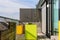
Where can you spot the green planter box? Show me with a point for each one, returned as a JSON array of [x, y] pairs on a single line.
[[31, 32]]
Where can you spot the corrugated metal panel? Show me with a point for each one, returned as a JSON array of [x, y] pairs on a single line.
[[9, 34]]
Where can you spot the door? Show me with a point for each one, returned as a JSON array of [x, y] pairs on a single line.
[[44, 18]]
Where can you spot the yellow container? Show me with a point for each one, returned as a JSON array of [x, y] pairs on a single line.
[[31, 32], [59, 30], [19, 29]]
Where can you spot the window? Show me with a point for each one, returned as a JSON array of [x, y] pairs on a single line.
[[55, 16]]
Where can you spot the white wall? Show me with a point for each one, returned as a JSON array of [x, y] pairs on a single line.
[[44, 18]]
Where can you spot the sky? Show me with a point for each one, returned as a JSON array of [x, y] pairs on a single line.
[[11, 8]]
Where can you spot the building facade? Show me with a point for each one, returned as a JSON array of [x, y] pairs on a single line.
[[50, 12], [29, 15]]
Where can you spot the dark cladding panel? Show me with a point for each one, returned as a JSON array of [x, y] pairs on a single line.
[[29, 15]]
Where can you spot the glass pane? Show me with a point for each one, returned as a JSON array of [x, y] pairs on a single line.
[[55, 16]]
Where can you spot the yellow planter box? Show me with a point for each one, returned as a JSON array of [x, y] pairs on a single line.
[[19, 29]]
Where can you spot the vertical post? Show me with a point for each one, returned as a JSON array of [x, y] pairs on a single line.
[[59, 21], [0, 35]]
